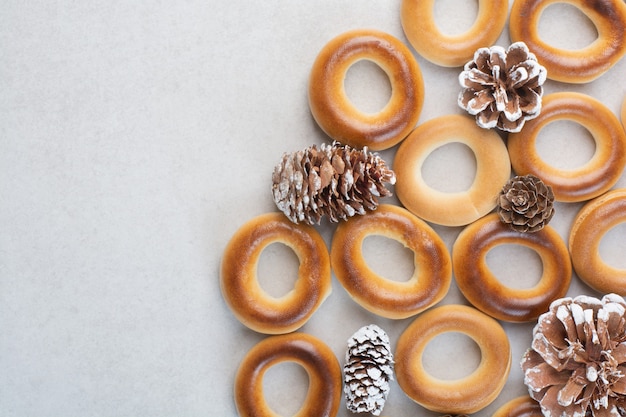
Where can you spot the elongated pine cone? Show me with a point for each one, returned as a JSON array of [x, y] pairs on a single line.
[[502, 88], [368, 370], [576, 366], [336, 181], [526, 203]]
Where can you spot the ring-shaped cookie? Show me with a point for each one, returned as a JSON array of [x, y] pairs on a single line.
[[523, 406], [325, 378], [593, 178], [483, 289], [240, 287], [333, 110], [387, 298], [592, 222], [420, 28], [580, 65], [493, 170], [460, 396]]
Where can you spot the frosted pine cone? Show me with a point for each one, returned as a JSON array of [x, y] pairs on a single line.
[[368, 370], [526, 203], [577, 364], [502, 88], [336, 181]]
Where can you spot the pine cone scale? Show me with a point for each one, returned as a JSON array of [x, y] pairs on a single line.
[[619, 352], [569, 393], [488, 118], [478, 102], [338, 164], [516, 55], [477, 78], [511, 108], [619, 387], [497, 59]]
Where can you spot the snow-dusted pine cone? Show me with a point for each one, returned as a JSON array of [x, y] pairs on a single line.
[[526, 203], [368, 370], [576, 366], [334, 180], [502, 88]]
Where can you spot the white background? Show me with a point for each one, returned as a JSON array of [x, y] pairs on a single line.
[[136, 137]]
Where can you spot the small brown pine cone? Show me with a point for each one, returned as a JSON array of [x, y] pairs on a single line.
[[502, 88], [368, 370], [526, 203], [576, 365], [334, 180]]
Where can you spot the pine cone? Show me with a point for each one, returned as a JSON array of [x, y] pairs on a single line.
[[577, 363], [368, 370], [502, 88], [335, 180], [526, 203]]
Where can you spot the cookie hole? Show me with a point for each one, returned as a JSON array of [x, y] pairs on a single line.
[[515, 266], [450, 168], [450, 356], [455, 17], [277, 271], [565, 145], [367, 86], [613, 246], [285, 386], [388, 258], [565, 26]]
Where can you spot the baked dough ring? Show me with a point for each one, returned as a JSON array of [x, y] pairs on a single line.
[[325, 378], [483, 289], [573, 66], [420, 28], [240, 287], [332, 108], [391, 299], [598, 174], [523, 406], [592, 222], [624, 113], [493, 170], [461, 396]]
